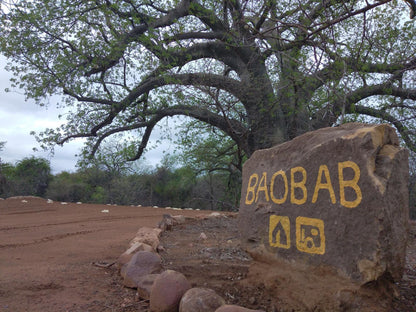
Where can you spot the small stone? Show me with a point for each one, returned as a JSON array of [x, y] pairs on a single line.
[[203, 236], [214, 215], [167, 291], [200, 300]]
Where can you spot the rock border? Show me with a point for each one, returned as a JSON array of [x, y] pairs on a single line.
[[167, 290]]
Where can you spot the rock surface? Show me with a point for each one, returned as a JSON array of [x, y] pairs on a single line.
[[142, 263], [167, 223], [200, 300], [144, 285], [179, 219], [147, 235], [167, 291], [235, 308], [126, 256], [335, 197]]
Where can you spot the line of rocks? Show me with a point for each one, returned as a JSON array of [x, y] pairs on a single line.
[[167, 290]]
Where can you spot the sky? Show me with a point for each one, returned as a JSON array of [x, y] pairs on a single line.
[[19, 117]]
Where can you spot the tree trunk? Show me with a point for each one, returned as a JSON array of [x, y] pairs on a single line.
[[266, 119]]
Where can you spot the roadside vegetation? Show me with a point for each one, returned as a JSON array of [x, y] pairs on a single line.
[[107, 181], [167, 185]]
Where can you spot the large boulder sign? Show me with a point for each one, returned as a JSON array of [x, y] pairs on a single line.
[[336, 197]]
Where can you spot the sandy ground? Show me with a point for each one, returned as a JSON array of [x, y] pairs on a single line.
[[47, 253]]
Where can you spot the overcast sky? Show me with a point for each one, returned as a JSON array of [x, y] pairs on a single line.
[[19, 117]]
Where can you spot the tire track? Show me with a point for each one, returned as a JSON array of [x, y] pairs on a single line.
[[27, 212], [48, 239], [103, 219]]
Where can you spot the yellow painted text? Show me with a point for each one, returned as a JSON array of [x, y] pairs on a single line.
[[295, 188]]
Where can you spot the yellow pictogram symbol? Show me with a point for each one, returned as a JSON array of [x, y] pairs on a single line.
[[279, 232], [310, 235]]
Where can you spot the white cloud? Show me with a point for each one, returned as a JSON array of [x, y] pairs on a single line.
[[19, 117]]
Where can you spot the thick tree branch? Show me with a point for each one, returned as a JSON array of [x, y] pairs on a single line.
[[348, 104], [332, 71], [225, 83], [230, 85], [215, 50], [232, 127], [412, 6], [113, 58], [380, 89], [208, 17], [405, 133], [195, 36]]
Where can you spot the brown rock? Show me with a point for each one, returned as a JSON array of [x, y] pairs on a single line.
[[126, 256], [167, 223], [235, 308], [123, 270], [334, 197], [142, 263], [167, 291], [215, 214], [147, 235], [179, 219], [144, 285], [200, 300]]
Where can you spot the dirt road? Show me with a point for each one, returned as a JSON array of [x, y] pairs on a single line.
[[47, 251]]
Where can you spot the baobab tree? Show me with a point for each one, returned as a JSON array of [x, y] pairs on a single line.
[[261, 72]]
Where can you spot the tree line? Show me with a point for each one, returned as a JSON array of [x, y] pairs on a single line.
[[165, 185]]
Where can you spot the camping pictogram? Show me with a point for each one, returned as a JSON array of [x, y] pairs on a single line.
[[279, 231]]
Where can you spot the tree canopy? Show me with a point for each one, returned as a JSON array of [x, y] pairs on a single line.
[[261, 72]]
